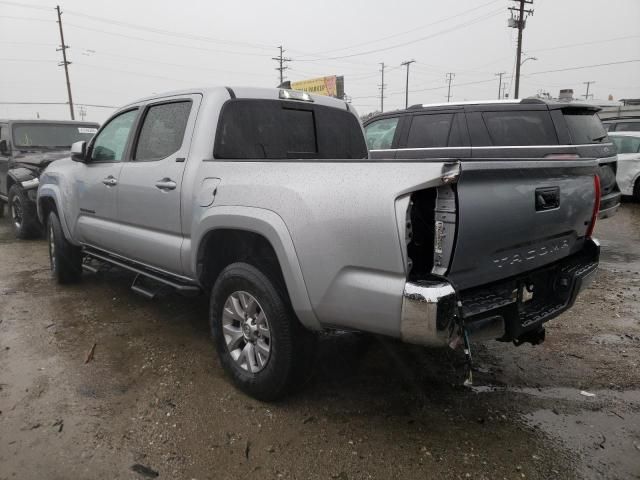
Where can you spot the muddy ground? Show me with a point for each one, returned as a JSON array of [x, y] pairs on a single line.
[[154, 399]]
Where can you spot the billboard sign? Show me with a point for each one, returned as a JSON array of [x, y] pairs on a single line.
[[328, 86]]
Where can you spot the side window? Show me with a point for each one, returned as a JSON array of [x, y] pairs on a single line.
[[429, 131], [458, 133], [110, 143], [628, 127], [514, 128], [162, 131], [627, 144], [380, 134]]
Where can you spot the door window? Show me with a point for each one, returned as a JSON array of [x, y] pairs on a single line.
[[429, 131], [111, 141], [162, 131], [380, 134], [627, 144]]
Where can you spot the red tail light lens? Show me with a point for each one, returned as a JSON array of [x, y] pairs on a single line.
[[596, 206]]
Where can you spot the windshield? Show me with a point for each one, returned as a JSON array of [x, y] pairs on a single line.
[[51, 135], [584, 127]]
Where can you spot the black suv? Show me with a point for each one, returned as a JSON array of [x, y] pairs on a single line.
[[26, 148], [526, 129]]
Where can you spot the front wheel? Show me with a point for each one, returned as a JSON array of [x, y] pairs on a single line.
[[23, 214], [636, 191], [65, 258], [261, 344]]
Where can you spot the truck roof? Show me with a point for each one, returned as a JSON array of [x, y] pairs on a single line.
[[524, 101], [56, 122], [244, 92]]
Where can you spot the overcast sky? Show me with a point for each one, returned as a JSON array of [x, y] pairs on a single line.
[[122, 50]]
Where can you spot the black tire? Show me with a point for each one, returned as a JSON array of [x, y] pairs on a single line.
[[292, 347], [636, 191], [65, 258], [1, 209], [23, 214]]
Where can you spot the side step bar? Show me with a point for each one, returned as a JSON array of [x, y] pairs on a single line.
[[143, 272]]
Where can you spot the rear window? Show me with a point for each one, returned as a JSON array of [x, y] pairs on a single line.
[[516, 128], [273, 129], [584, 127]]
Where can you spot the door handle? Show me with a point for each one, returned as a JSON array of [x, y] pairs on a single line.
[[166, 184], [110, 181]]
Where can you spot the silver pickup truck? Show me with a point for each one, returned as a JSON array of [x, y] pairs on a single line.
[[267, 200]]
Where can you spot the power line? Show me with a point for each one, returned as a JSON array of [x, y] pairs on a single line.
[[456, 27], [585, 66], [160, 42], [442, 20], [25, 5], [170, 33], [65, 63], [57, 103]]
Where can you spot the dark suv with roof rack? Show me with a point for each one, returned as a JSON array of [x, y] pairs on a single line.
[[528, 129]]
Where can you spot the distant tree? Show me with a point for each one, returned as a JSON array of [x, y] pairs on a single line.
[[367, 116]]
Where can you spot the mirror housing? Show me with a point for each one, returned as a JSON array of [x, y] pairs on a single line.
[[79, 152], [4, 148]]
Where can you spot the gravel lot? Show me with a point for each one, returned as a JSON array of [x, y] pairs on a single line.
[[154, 400]]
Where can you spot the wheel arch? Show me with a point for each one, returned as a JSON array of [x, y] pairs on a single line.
[[49, 201], [230, 234]]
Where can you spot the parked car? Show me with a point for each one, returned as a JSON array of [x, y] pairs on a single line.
[[494, 130], [622, 124], [26, 148], [628, 176], [266, 200]]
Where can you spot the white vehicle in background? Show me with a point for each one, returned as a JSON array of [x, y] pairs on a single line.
[[628, 174]]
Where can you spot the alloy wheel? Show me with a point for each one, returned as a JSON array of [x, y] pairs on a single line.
[[246, 331]]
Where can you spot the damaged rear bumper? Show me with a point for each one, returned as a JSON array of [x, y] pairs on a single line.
[[513, 309]]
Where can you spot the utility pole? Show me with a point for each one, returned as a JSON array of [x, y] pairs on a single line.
[[406, 90], [382, 86], [505, 85], [450, 77], [282, 61], [500, 74], [519, 22], [82, 110], [65, 62], [588, 84]]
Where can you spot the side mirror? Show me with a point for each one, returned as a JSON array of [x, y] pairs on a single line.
[[4, 148], [79, 151]]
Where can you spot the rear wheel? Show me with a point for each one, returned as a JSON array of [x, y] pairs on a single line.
[[1, 209], [65, 258], [636, 191], [23, 214], [261, 344]]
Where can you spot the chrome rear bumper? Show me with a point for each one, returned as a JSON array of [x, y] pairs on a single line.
[[428, 313]]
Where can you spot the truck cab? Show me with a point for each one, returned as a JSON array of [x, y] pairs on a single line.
[[26, 148]]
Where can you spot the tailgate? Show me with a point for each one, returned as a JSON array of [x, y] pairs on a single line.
[[518, 215]]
